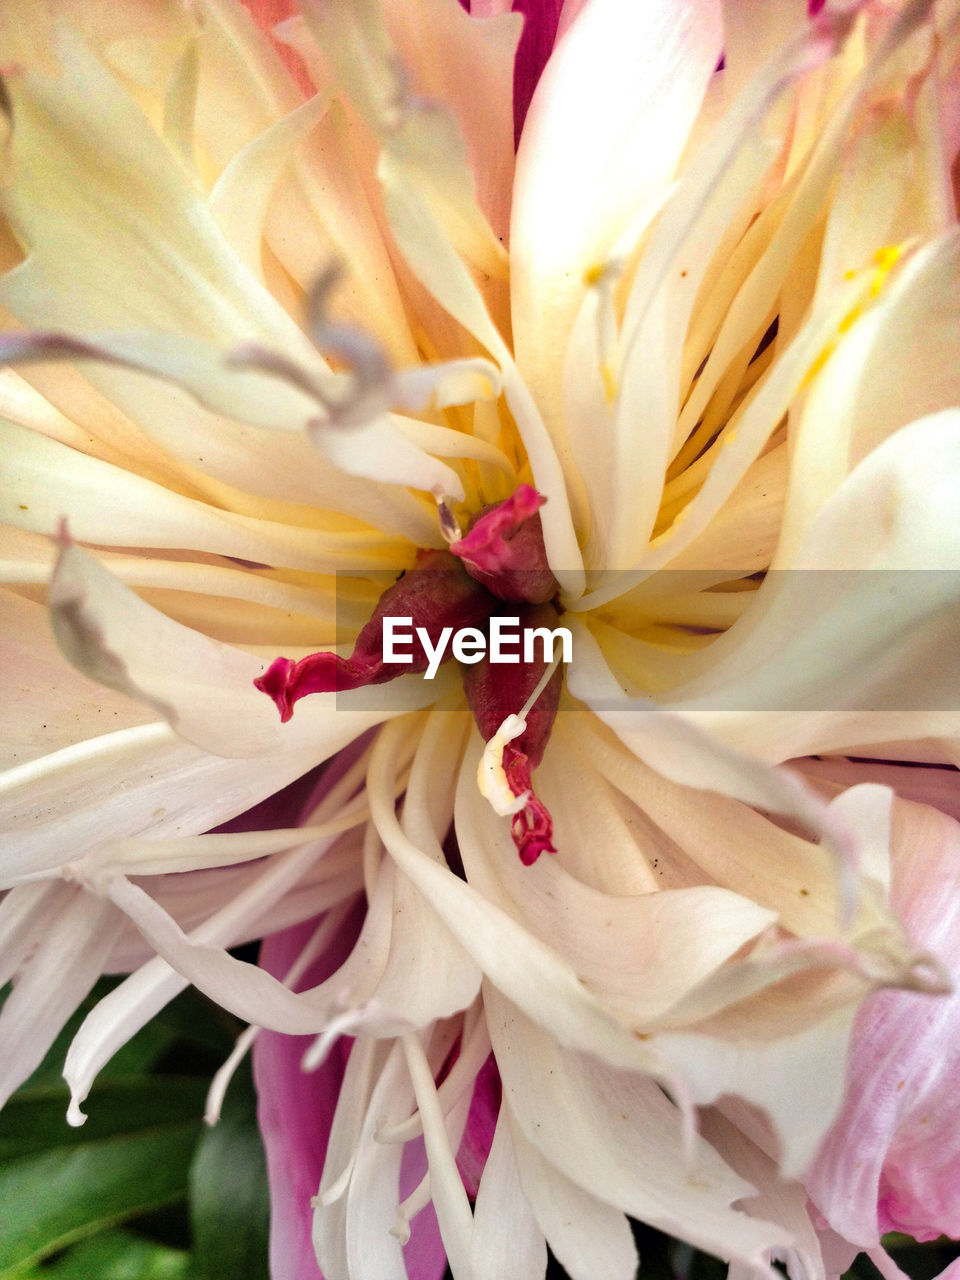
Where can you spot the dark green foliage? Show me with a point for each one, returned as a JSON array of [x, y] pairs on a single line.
[[143, 1190]]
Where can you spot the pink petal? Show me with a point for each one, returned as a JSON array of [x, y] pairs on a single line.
[[892, 1159], [540, 18], [932, 784], [296, 1110], [267, 14], [481, 1125]]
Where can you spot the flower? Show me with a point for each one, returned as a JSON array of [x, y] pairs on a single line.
[[683, 331]]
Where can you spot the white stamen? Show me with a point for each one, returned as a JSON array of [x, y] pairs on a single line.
[[491, 775]]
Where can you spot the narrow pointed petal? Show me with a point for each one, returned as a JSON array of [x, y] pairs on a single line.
[[506, 1235]]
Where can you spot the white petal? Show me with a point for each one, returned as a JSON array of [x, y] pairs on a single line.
[[589, 1238], [618, 96], [616, 1135], [56, 808], [47, 704], [858, 637], [506, 1237], [534, 976], [108, 505], [71, 950], [447, 1190], [797, 1079]]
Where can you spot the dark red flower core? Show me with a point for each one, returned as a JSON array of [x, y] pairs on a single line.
[[503, 548], [499, 561]]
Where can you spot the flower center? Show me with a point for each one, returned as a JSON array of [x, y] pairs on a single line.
[[499, 561]]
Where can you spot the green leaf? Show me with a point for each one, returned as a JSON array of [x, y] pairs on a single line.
[[53, 1198], [114, 1255], [229, 1195], [35, 1118]]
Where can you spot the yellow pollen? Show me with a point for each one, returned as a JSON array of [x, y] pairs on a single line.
[[609, 382], [884, 260], [593, 275]]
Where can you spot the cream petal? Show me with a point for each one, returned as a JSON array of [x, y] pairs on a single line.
[[366, 1063], [530, 972], [436, 264], [203, 688], [639, 953], [794, 877], [22, 913], [75, 936], [108, 505], [616, 1134], [758, 294], [852, 652], [248, 913], [506, 1237], [675, 747], [619, 95], [48, 705], [321, 214], [648, 381], [58, 807], [251, 993], [796, 1078], [241, 195], [778, 1200], [378, 451], [589, 1238], [422, 139], [741, 441], [862, 397], [191, 282], [370, 449], [374, 1190], [446, 1188], [469, 66], [89, 167]]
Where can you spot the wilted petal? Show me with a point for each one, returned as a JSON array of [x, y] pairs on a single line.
[[891, 1161]]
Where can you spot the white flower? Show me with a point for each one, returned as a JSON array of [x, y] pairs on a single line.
[[722, 346]]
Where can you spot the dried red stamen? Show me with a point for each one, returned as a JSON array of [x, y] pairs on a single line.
[[496, 691], [532, 827], [503, 548], [435, 594]]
